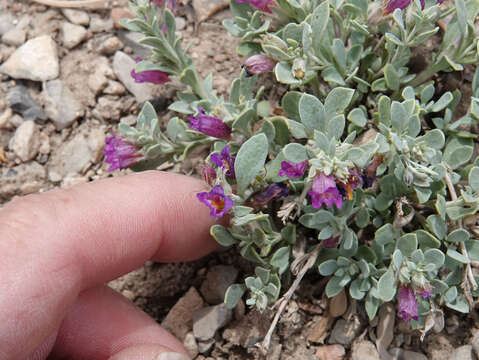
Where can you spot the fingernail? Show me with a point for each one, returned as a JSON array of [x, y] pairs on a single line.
[[172, 356]]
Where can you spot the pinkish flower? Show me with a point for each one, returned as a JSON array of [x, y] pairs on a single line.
[[330, 243], [120, 153], [258, 64], [225, 161], [262, 5], [290, 169], [325, 192], [407, 304], [209, 174], [401, 4], [151, 76], [209, 125], [216, 200]]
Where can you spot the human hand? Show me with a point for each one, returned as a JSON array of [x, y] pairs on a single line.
[[59, 248]]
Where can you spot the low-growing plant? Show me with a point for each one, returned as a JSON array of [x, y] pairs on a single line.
[[366, 168]]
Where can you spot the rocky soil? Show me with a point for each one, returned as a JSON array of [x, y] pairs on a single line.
[[65, 85]]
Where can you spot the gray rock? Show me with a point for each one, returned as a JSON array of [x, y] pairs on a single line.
[[208, 320], [463, 353], [21, 102], [400, 354], [72, 34], [61, 106], [180, 23], [35, 60], [6, 22], [131, 40], [77, 17], [217, 281], [97, 24], [25, 143], [344, 332], [22, 179], [76, 155], [364, 350], [179, 320], [122, 66], [99, 79], [129, 120]]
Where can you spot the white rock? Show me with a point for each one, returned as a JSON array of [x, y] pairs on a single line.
[[25, 143], [77, 17], [5, 119], [72, 34], [35, 60], [97, 24], [61, 106], [364, 350], [191, 345], [6, 22], [15, 37], [122, 66]]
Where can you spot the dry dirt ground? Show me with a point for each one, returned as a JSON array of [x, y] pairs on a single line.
[[52, 134]]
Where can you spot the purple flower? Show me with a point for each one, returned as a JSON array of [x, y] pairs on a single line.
[[425, 292], [290, 169], [171, 4], [262, 5], [273, 191], [151, 76], [402, 4], [209, 125], [209, 174], [225, 161], [258, 64], [354, 181], [407, 304], [120, 153], [325, 192], [216, 200], [330, 243]]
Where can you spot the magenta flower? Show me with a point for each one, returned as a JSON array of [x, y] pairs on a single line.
[[225, 161], [120, 153], [325, 192], [407, 304], [401, 4], [262, 5], [209, 174], [290, 169], [216, 200], [425, 292], [151, 76], [209, 125], [258, 64], [330, 243], [272, 192]]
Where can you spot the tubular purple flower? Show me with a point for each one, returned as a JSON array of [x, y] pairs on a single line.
[[120, 153], [262, 5], [151, 76], [290, 169], [354, 181], [425, 292], [402, 4], [170, 4], [325, 192], [217, 201], [225, 161], [258, 64], [407, 304], [273, 191], [209, 125]]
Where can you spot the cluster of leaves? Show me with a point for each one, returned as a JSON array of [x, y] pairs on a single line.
[[356, 102]]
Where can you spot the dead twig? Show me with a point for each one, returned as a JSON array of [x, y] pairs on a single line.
[[72, 4], [311, 260]]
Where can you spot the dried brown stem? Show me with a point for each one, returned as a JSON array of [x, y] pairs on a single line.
[[312, 256]]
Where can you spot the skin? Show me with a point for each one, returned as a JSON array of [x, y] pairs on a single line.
[[59, 248]]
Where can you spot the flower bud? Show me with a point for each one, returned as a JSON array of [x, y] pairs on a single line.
[[258, 64]]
